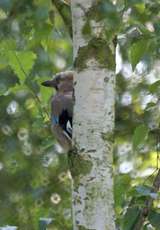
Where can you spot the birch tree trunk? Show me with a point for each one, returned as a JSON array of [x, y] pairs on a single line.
[[93, 204]]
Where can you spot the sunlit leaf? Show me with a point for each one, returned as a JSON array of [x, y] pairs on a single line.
[[121, 183], [137, 51], [140, 7], [154, 87], [140, 135], [21, 63]]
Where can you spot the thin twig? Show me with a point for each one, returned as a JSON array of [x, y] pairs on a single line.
[[65, 12], [32, 91]]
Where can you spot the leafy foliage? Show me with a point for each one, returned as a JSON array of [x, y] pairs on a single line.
[[21, 63], [140, 134], [35, 184]]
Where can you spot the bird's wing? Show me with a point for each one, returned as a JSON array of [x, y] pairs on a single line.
[[62, 109], [61, 103], [62, 137]]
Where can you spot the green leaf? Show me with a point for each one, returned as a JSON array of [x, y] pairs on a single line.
[[154, 219], [121, 185], [21, 63], [137, 51], [150, 106], [140, 135], [140, 7], [130, 218], [6, 45], [154, 87]]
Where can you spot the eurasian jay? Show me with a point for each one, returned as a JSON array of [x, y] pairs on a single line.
[[62, 108]]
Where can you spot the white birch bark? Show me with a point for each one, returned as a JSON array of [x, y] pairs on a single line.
[[93, 205]]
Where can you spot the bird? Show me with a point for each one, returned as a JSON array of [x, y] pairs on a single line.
[[62, 108]]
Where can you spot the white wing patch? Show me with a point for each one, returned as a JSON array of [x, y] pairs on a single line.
[[69, 127]]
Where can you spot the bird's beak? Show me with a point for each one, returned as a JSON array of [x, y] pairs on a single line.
[[50, 83]]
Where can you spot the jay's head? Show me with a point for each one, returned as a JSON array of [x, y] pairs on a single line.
[[62, 81]]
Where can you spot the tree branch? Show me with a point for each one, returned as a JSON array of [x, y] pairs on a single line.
[[65, 12]]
